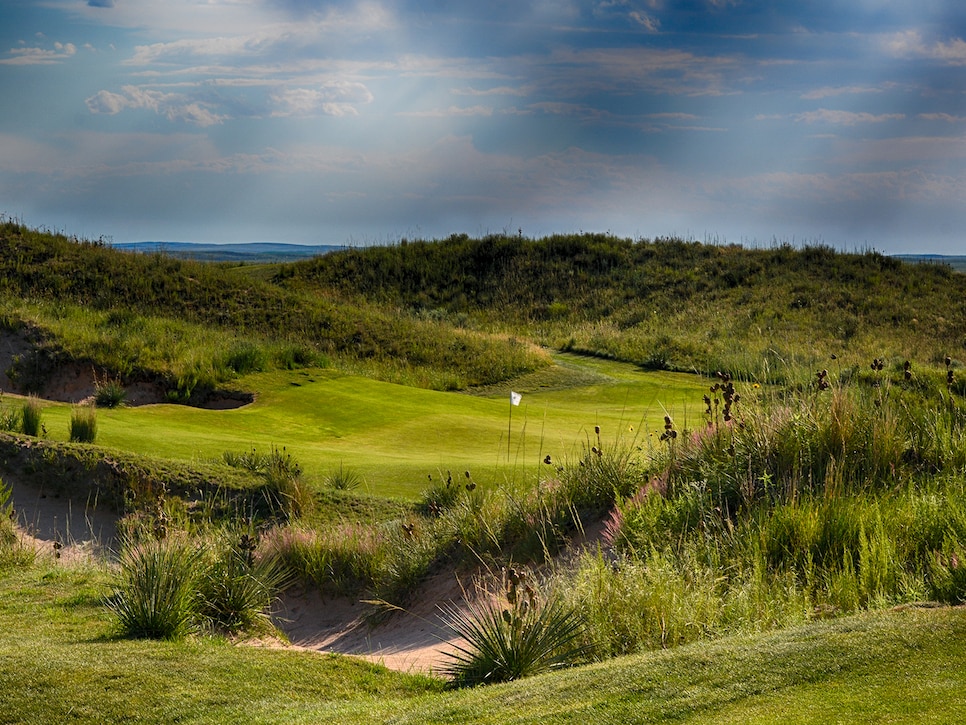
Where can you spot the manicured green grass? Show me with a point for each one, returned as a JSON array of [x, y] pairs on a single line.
[[60, 661], [393, 436]]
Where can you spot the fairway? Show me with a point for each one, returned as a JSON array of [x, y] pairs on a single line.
[[394, 436]]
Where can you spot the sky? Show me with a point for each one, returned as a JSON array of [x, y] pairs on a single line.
[[741, 121]]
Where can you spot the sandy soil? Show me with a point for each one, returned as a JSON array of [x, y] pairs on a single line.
[[413, 640], [62, 526], [409, 641], [75, 382]]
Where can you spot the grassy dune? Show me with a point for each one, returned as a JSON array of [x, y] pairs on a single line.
[[776, 538]]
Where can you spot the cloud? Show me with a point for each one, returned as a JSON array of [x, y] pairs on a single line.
[[947, 117], [451, 112], [844, 118], [576, 71], [910, 44], [40, 56], [673, 116], [331, 99], [174, 106], [829, 91], [100, 3], [648, 22], [496, 91]]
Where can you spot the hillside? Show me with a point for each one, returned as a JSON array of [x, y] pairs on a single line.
[[666, 303], [191, 326], [811, 514], [248, 253]]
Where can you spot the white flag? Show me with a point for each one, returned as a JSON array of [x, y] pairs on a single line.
[[515, 398]]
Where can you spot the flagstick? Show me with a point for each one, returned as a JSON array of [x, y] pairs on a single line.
[[515, 399]]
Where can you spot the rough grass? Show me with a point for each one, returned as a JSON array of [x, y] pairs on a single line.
[[763, 314], [128, 315], [901, 666]]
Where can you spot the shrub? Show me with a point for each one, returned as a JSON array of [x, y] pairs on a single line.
[[157, 593], [109, 392], [237, 588], [83, 424], [523, 638], [30, 417]]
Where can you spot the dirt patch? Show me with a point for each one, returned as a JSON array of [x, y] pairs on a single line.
[[71, 381], [13, 345], [61, 526], [411, 640]]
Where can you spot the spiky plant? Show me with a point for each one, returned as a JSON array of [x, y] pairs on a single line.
[[156, 596], [504, 643]]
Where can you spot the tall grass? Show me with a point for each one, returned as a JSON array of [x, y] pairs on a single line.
[[781, 508], [83, 424], [31, 417], [13, 552], [169, 586]]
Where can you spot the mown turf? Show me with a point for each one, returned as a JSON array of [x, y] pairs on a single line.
[[394, 436], [60, 662]]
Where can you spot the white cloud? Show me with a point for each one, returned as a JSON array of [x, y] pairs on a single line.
[[910, 44], [497, 91], [829, 91], [451, 112], [331, 99], [947, 117], [673, 116], [648, 22], [845, 118], [636, 69], [40, 56], [174, 106]]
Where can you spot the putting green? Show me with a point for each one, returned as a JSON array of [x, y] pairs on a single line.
[[394, 436]]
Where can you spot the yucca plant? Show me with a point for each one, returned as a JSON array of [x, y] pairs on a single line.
[[237, 589], [343, 479], [156, 596], [504, 643]]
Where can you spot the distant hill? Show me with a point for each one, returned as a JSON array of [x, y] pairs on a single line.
[[957, 262], [254, 252]]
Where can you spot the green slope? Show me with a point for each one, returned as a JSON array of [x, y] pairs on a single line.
[[59, 662], [394, 435]]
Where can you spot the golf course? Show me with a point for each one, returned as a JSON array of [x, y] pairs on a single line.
[[481, 480]]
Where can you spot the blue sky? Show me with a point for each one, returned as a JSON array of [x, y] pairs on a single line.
[[366, 122]]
